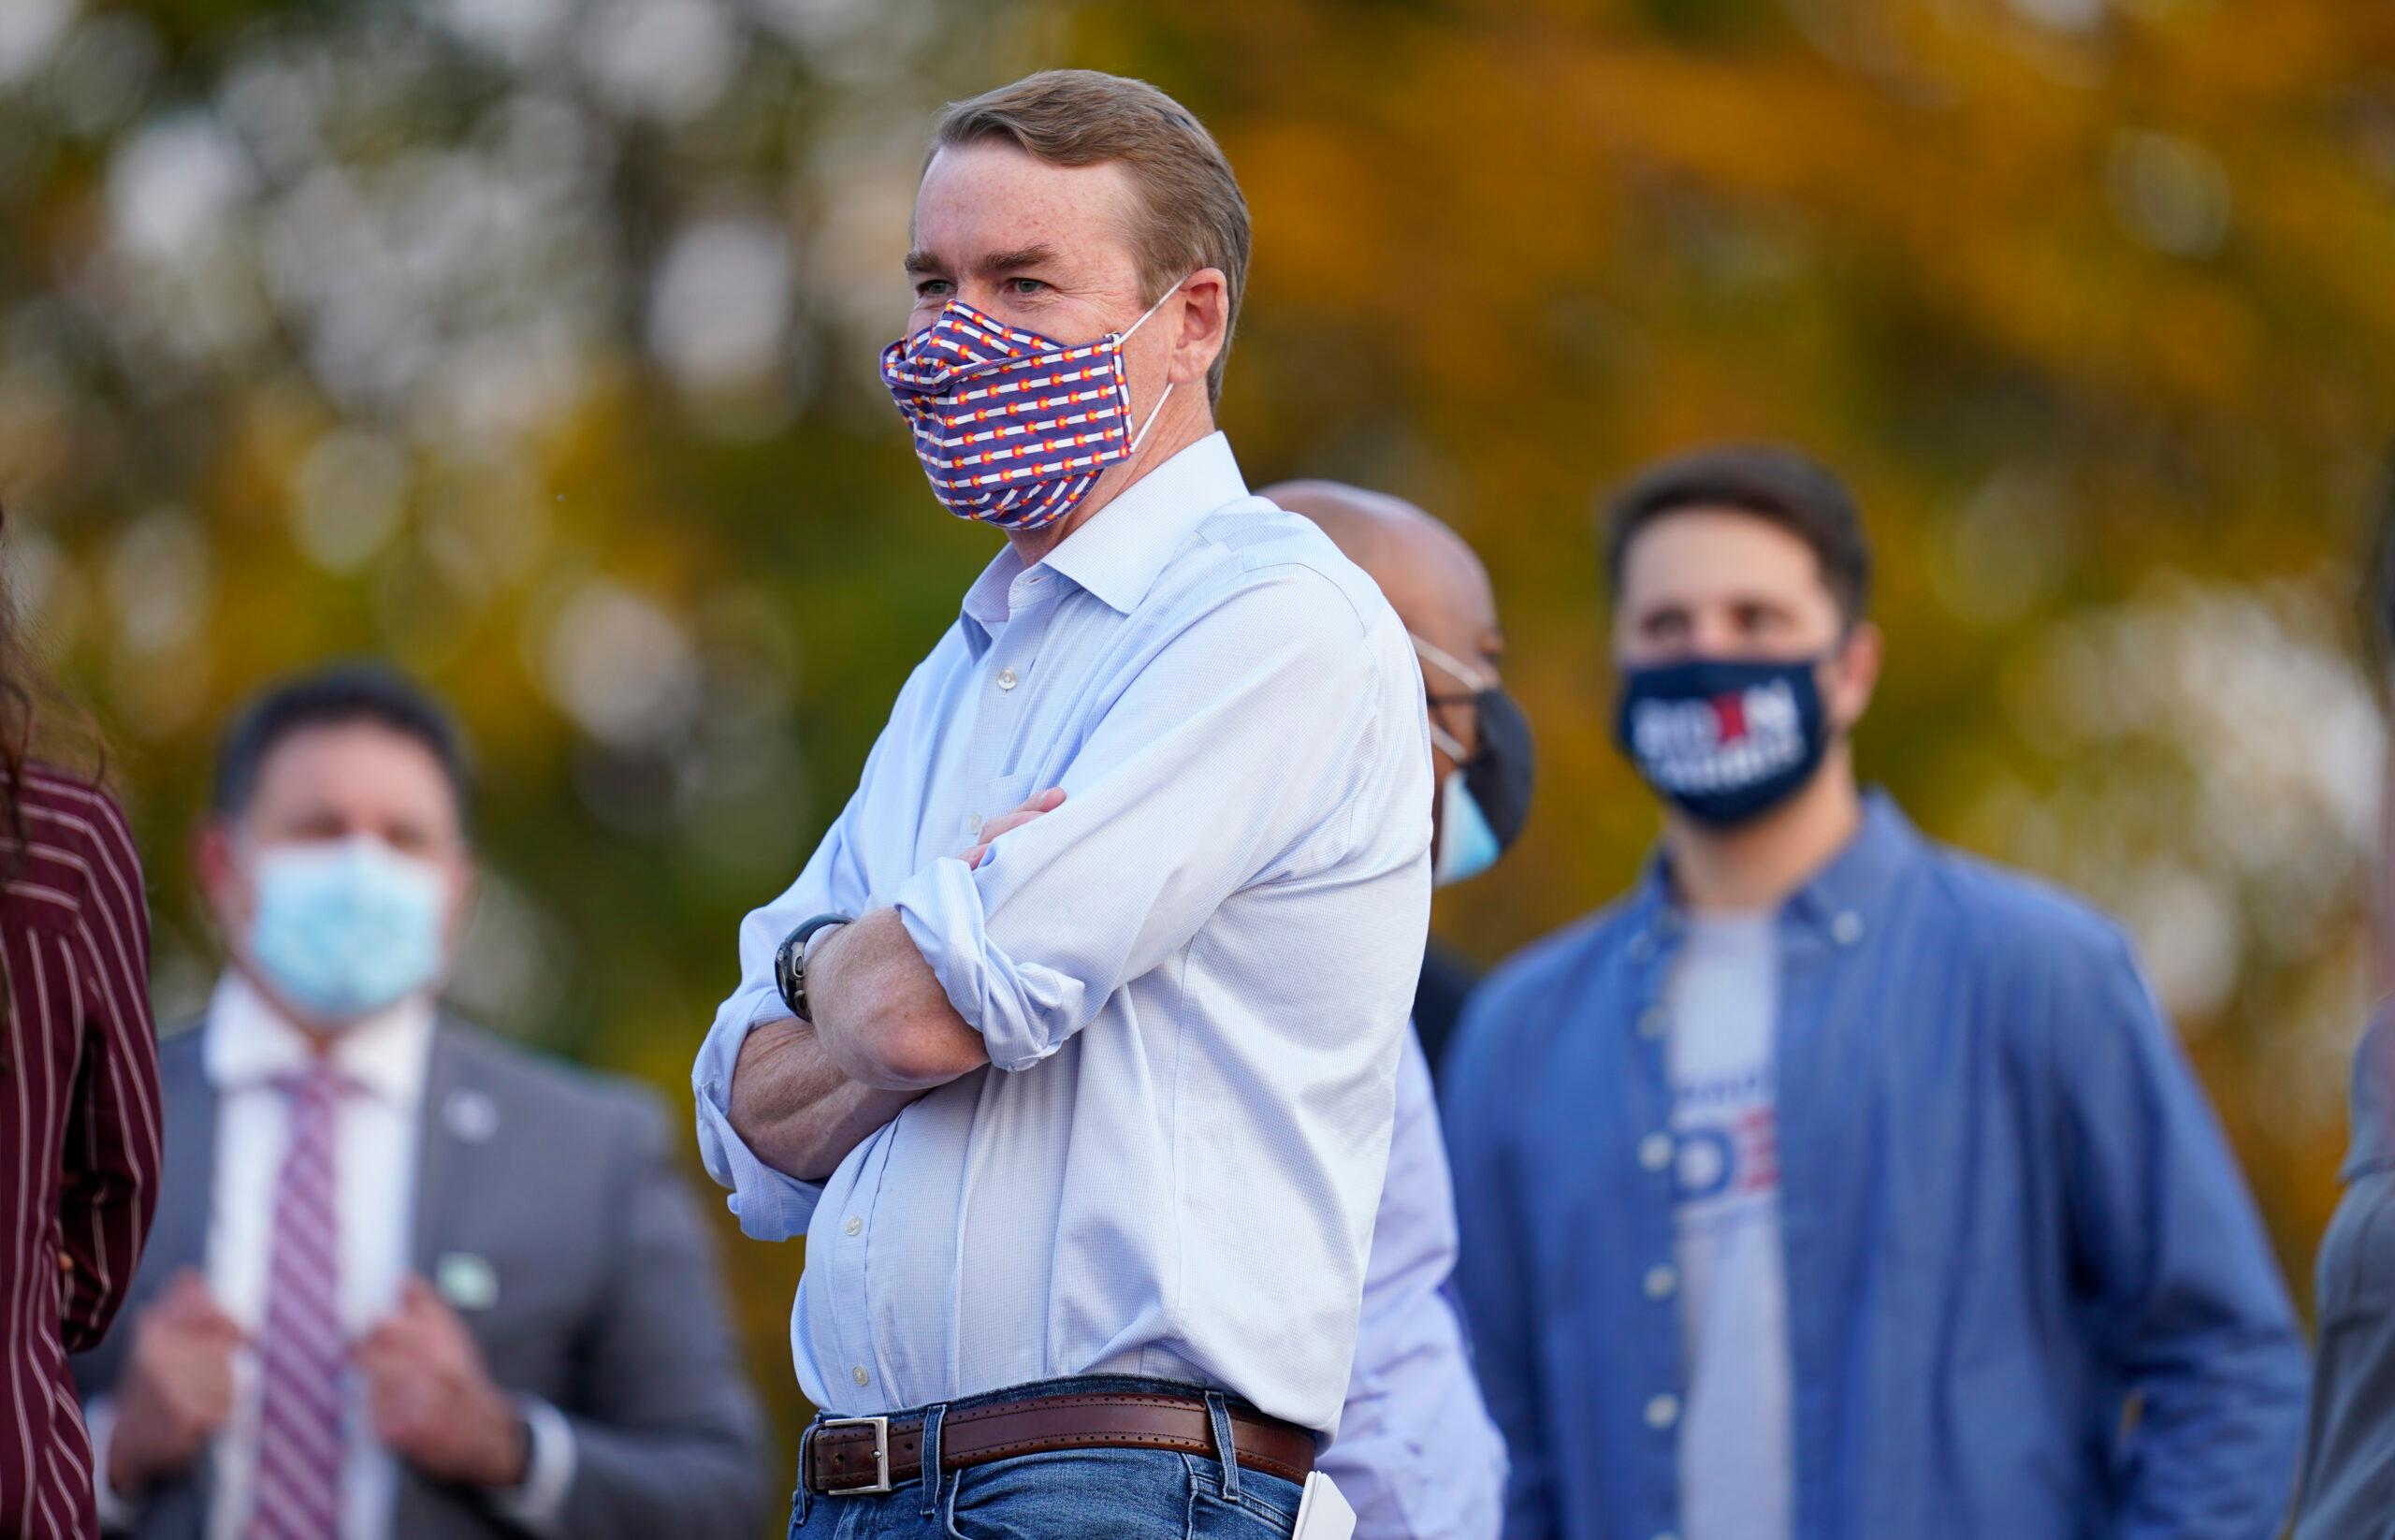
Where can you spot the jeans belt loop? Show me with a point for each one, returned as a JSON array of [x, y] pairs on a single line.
[[1226, 1447], [932, 1417]]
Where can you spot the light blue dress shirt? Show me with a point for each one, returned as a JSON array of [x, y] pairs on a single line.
[[1192, 978], [1417, 1455]]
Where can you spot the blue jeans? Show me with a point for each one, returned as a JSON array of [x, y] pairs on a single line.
[[1103, 1494]]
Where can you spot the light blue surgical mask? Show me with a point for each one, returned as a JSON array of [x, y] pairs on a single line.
[[346, 927], [1467, 845]]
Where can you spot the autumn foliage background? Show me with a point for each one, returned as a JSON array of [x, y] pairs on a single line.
[[530, 343]]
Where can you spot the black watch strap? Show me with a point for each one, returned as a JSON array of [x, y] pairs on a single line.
[[789, 961]]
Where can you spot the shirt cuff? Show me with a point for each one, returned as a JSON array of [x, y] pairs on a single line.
[[117, 1512], [537, 1503], [1023, 1011], [770, 1205]]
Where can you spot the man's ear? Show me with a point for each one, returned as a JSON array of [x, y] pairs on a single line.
[[223, 890], [465, 884], [1201, 325], [1854, 674]]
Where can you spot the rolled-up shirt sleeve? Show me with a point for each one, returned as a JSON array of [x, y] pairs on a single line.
[[1164, 816], [772, 1205]]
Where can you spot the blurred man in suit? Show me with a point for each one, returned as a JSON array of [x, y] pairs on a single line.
[[407, 1283], [1411, 1388]]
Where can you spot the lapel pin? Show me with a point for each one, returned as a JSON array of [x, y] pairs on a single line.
[[472, 1115], [466, 1281]]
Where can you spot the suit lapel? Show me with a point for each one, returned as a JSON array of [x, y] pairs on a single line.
[[437, 1184], [444, 1180], [187, 1192]]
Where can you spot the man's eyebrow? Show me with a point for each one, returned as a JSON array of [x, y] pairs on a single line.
[[1015, 261], [920, 263]]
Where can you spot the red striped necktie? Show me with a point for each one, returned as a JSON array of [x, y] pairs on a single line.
[[302, 1354]]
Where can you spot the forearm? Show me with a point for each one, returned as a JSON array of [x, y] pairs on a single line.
[[882, 1017], [794, 1106]]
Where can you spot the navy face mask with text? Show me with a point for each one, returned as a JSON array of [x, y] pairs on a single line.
[[1725, 740]]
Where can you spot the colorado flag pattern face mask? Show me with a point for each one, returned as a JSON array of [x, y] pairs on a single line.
[[1013, 427]]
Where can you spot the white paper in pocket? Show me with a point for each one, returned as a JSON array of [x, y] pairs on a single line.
[[1322, 1513]]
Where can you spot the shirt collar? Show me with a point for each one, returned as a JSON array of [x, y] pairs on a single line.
[[2373, 1097], [1116, 556], [988, 601], [1843, 898], [249, 1042]]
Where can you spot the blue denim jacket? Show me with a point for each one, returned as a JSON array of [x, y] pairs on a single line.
[[2028, 1295]]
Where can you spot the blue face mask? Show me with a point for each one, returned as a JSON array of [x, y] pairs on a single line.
[[344, 929], [1467, 845], [1725, 740]]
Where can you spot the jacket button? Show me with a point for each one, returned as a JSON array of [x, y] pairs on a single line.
[[1655, 1152], [1664, 1411]]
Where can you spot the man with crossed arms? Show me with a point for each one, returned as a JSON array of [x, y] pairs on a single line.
[[1073, 1048]]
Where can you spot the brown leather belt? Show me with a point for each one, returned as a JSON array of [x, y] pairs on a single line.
[[875, 1454]]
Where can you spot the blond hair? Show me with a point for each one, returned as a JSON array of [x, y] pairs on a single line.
[[1192, 214]]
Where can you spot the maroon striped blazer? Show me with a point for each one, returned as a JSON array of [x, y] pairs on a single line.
[[79, 1132]]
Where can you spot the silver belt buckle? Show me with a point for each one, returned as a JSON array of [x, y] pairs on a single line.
[[880, 1427]]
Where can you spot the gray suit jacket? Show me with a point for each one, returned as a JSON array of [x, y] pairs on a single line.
[[608, 1306]]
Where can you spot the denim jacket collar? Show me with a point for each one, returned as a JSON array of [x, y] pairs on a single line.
[[1843, 901]]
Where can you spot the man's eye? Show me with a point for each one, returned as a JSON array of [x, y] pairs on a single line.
[[934, 288], [1024, 285]]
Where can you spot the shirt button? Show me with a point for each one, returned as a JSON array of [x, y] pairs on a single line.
[[1008, 678], [855, 1226], [859, 1376], [974, 824], [1662, 1412], [1653, 1022], [1661, 1281], [1847, 928], [1655, 1152]]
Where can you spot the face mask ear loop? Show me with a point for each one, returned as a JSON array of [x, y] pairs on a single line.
[[1125, 336], [1450, 744], [1140, 437], [1455, 667]]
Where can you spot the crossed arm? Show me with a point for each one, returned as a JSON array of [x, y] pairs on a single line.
[[805, 1094]]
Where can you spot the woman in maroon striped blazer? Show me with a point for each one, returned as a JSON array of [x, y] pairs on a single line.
[[79, 1106]]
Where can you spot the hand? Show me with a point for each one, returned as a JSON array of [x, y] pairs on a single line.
[[432, 1400], [1041, 802], [175, 1389]]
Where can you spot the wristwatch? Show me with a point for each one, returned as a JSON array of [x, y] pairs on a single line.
[[789, 961]]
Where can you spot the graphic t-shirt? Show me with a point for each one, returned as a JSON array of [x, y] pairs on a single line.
[[1735, 1430]]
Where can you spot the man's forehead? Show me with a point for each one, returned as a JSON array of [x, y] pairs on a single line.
[[990, 197], [1720, 550], [321, 761]]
